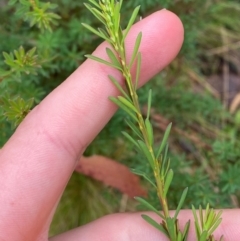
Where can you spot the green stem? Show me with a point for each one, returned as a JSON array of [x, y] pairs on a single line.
[[141, 123], [119, 47]]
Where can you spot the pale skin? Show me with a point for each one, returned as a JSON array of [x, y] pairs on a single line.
[[38, 160]]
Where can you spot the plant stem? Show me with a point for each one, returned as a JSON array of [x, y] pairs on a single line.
[[120, 50]]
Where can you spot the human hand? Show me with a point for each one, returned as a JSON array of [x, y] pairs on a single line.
[[40, 157]]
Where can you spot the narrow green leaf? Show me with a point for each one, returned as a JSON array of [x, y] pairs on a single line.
[[142, 174], [186, 231], [102, 61], [116, 16], [197, 226], [149, 103], [4, 73], [206, 213], [164, 141], [21, 52], [120, 37], [134, 128], [201, 216], [12, 2], [218, 215], [139, 62], [17, 54], [11, 63], [112, 3], [127, 103], [104, 34], [165, 162], [94, 31], [171, 228], [155, 224], [131, 21], [122, 106], [168, 182], [214, 226], [94, 3], [7, 56], [203, 236], [118, 86], [149, 206], [210, 220], [184, 194], [96, 13], [179, 236], [120, 3], [130, 139], [167, 167], [149, 131], [147, 153], [113, 58], [31, 52], [135, 50]]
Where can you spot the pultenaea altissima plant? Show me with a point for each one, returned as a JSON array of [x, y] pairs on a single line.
[[108, 13]]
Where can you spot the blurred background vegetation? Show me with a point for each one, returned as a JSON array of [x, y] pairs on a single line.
[[199, 92]]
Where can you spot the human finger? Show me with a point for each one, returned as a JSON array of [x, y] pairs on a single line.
[[128, 227], [38, 160]]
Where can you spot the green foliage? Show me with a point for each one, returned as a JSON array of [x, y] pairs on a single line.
[[20, 62], [36, 13], [15, 110], [206, 224], [208, 164], [108, 13]]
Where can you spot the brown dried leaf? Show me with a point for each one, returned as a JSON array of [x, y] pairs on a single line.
[[112, 174]]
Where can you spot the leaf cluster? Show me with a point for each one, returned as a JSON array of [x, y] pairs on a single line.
[[108, 12], [21, 62], [37, 13], [207, 223]]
